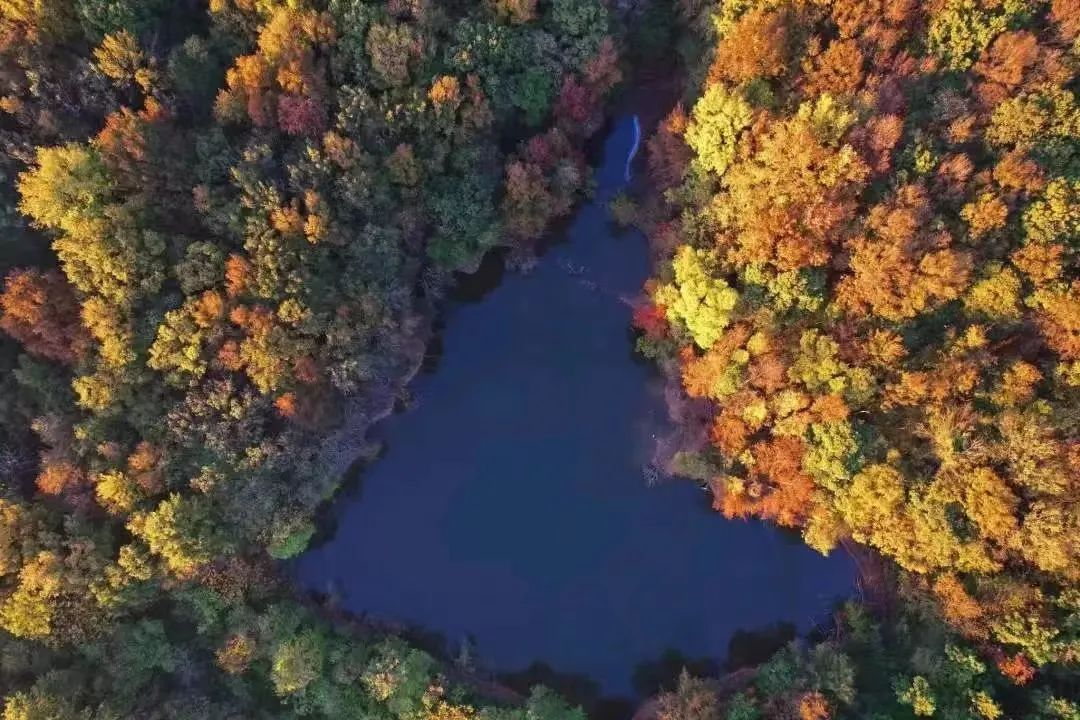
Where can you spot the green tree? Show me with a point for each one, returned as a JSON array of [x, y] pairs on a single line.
[[298, 662]]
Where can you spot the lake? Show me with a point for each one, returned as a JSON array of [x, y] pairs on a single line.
[[512, 507]]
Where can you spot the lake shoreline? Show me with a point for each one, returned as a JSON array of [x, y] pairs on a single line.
[[349, 447], [612, 266], [348, 444]]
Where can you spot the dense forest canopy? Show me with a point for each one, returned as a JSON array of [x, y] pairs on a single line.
[[223, 220], [253, 208], [869, 297]]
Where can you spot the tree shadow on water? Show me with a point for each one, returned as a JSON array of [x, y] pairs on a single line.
[[576, 688], [662, 674], [749, 648]]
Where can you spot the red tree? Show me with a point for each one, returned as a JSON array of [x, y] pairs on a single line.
[[39, 310]]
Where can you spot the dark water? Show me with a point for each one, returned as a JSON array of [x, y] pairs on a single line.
[[511, 503]]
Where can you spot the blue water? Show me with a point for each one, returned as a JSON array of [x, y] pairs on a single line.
[[511, 504]]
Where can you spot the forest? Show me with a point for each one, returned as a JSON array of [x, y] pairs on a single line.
[[867, 220], [224, 222], [220, 222]]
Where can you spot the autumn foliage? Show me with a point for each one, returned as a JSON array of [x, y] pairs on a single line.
[[874, 291], [243, 214], [40, 311]]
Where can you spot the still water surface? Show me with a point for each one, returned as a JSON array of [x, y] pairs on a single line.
[[511, 504]]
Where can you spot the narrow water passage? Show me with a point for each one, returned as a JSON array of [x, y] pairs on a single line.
[[511, 505]]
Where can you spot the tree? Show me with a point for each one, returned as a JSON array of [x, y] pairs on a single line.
[[38, 705], [534, 94], [196, 73], [755, 47], [102, 17], [301, 115], [584, 22], [142, 650], [120, 58], [67, 187], [668, 152], [900, 270], [297, 663], [703, 302], [692, 699], [715, 126], [39, 310], [390, 48], [528, 204], [465, 219], [792, 219], [1063, 14], [543, 704], [837, 71], [284, 81], [182, 531], [961, 29], [59, 477], [45, 20], [202, 268], [514, 11]]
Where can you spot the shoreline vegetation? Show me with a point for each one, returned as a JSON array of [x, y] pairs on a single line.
[[347, 445], [865, 218], [255, 210], [846, 296]]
